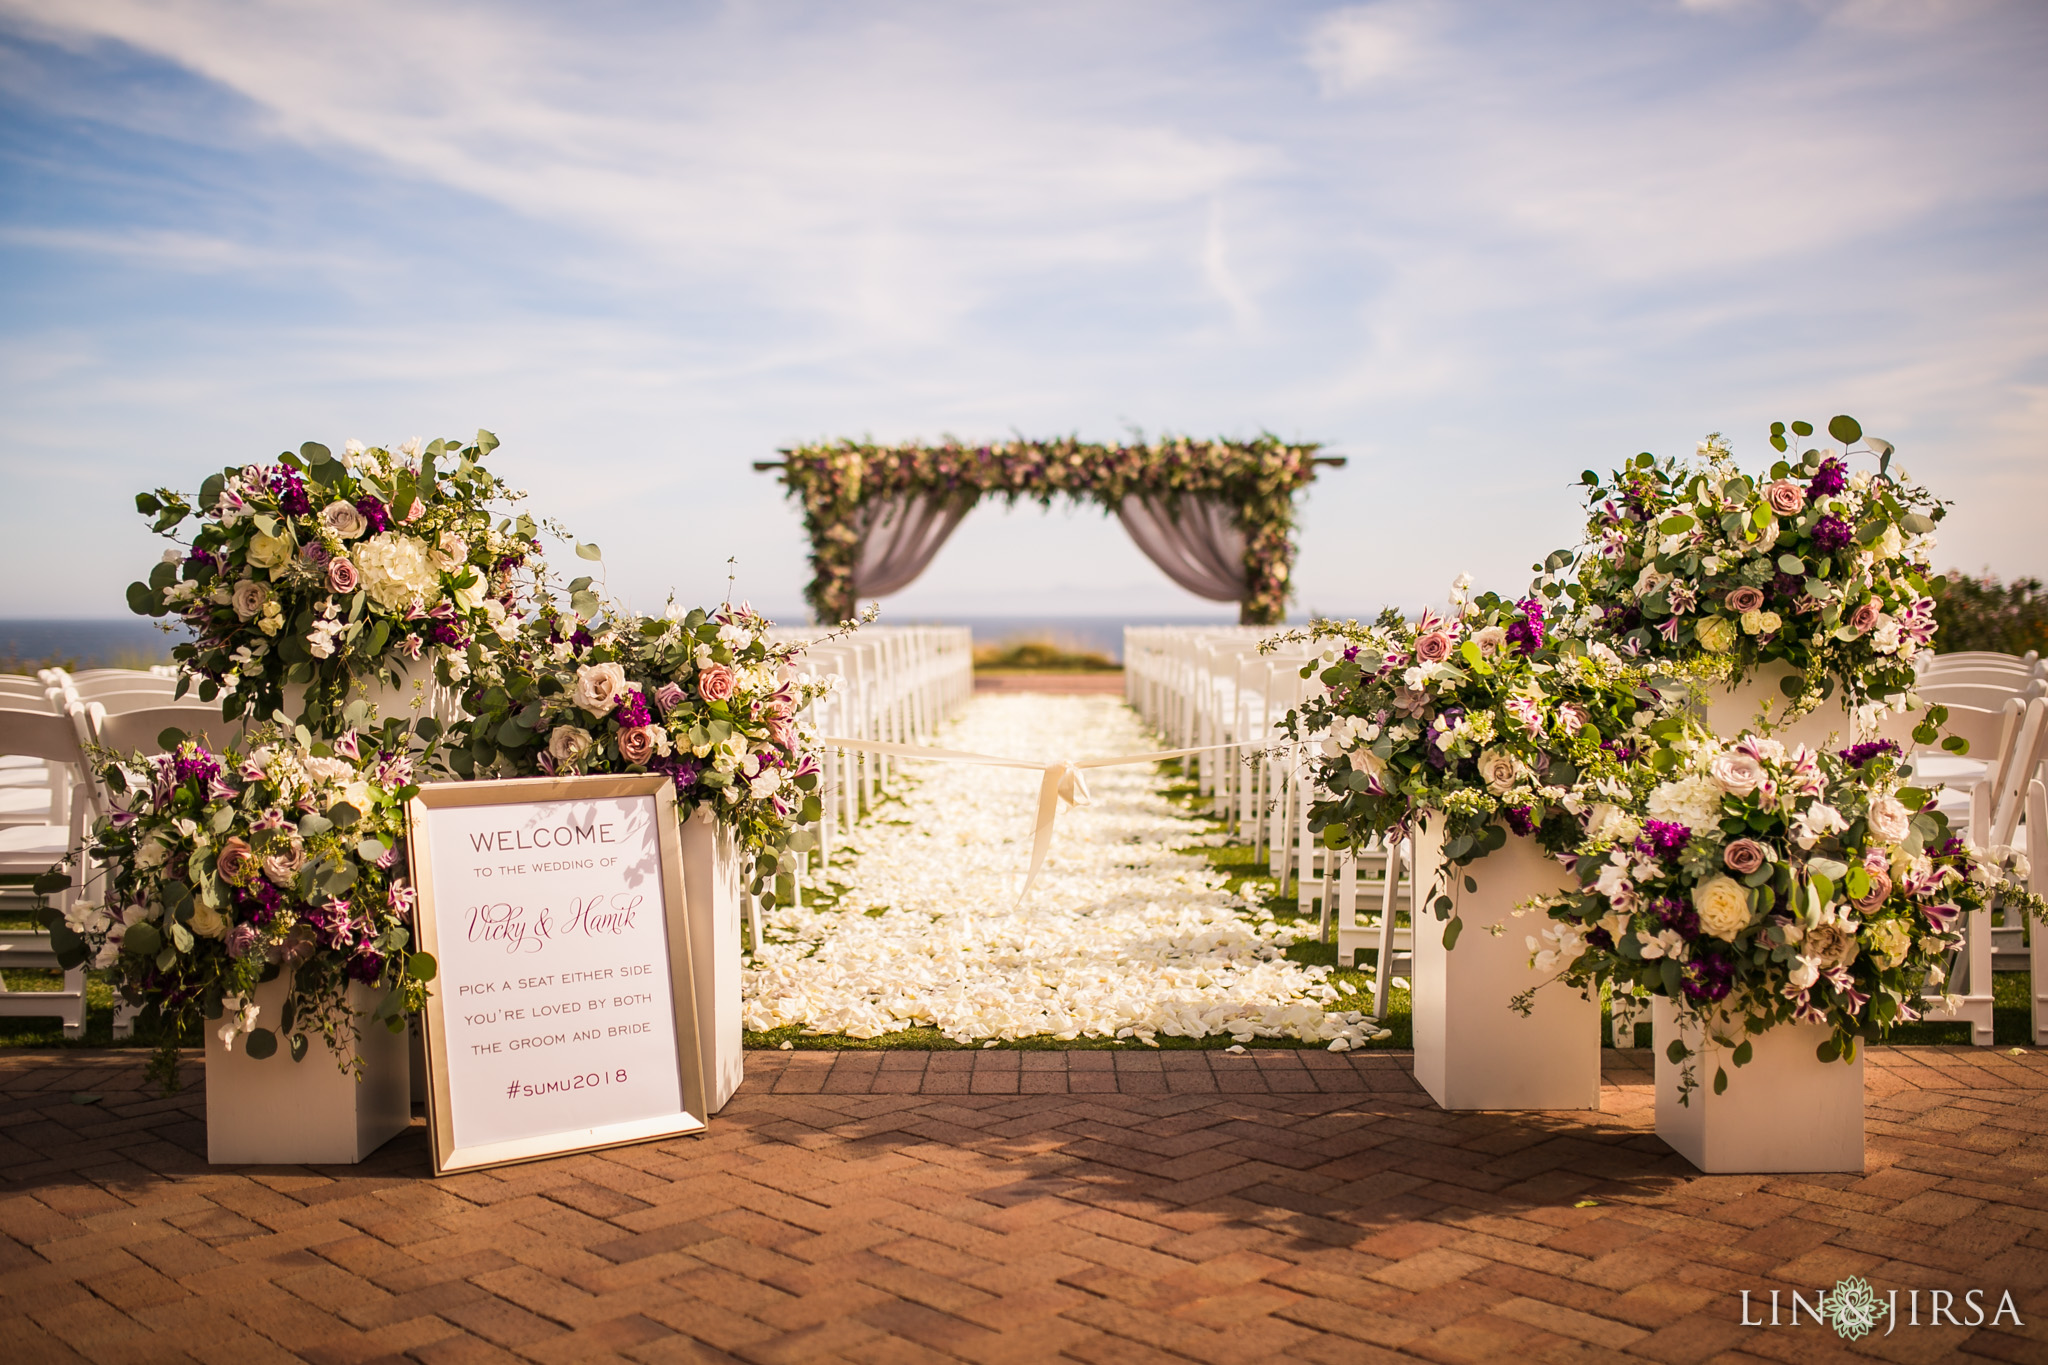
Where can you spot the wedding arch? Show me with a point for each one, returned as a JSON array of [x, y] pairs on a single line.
[[1217, 517]]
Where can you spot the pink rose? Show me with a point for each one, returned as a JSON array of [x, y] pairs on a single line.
[[1743, 857], [1863, 618], [715, 682], [668, 697], [1880, 889], [237, 862], [636, 745], [1786, 497], [1433, 648], [1737, 773], [342, 575], [1745, 599]]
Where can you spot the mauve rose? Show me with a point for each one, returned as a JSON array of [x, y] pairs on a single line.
[[342, 575], [344, 520], [1863, 618], [237, 862], [1743, 857], [248, 598], [668, 697], [1880, 889], [1433, 648], [241, 939], [715, 682], [1786, 497], [1745, 599], [636, 745], [282, 868]]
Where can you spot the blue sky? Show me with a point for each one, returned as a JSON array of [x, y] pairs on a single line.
[[1478, 247]]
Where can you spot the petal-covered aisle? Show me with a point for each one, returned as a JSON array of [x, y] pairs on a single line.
[[1124, 936]]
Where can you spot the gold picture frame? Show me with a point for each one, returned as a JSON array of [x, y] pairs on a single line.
[[690, 1117]]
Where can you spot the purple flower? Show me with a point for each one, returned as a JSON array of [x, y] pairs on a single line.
[[291, 491], [1518, 819], [1351, 653], [1708, 978], [582, 638], [375, 513], [1832, 533], [668, 697], [682, 771], [1527, 633], [1678, 916], [1856, 755], [194, 760], [241, 939], [631, 711], [1831, 478], [367, 967], [1663, 838]]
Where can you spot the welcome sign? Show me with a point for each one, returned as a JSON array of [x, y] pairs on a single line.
[[562, 1018]]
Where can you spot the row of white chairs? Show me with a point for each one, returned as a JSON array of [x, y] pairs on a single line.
[[890, 684]]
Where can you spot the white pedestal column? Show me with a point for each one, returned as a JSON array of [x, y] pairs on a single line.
[[1785, 1111], [1732, 710], [278, 1112], [1471, 1050], [714, 879]]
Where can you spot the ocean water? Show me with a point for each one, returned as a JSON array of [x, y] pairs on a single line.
[[1101, 634], [135, 642]]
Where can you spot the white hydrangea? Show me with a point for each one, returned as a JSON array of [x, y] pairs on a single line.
[[397, 570], [1693, 801]]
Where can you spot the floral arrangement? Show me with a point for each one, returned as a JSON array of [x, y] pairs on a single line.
[[317, 571], [221, 871], [1483, 715], [1754, 885], [833, 481], [704, 697], [1816, 565]]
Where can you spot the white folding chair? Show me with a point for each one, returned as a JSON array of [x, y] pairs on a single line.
[[30, 850]]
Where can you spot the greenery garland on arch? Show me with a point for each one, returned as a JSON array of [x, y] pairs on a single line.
[[1260, 477]]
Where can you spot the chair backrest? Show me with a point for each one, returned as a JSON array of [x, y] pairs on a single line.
[[1980, 657], [1989, 696], [116, 703], [108, 682], [51, 736], [1980, 674], [137, 731], [31, 693], [2015, 770]]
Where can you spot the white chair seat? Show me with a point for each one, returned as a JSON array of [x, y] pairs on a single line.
[[20, 843], [1949, 769]]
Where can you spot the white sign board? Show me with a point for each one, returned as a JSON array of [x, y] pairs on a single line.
[[561, 1018]]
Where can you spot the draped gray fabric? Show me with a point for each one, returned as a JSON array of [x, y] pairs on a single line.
[[899, 536], [1194, 540]]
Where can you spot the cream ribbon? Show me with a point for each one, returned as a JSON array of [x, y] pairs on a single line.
[[1062, 781]]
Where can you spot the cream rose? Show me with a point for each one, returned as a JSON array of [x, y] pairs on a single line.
[[1890, 820], [1723, 905], [207, 922], [397, 571], [568, 744], [1716, 633], [598, 687], [344, 519], [268, 552], [1738, 774]]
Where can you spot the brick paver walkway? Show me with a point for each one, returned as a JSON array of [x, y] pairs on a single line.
[[1005, 1206]]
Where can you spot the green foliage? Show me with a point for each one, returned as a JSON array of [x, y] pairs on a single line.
[[1981, 613], [837, 480]]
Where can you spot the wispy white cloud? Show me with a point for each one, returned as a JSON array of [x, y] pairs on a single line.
[[1480, 246]]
